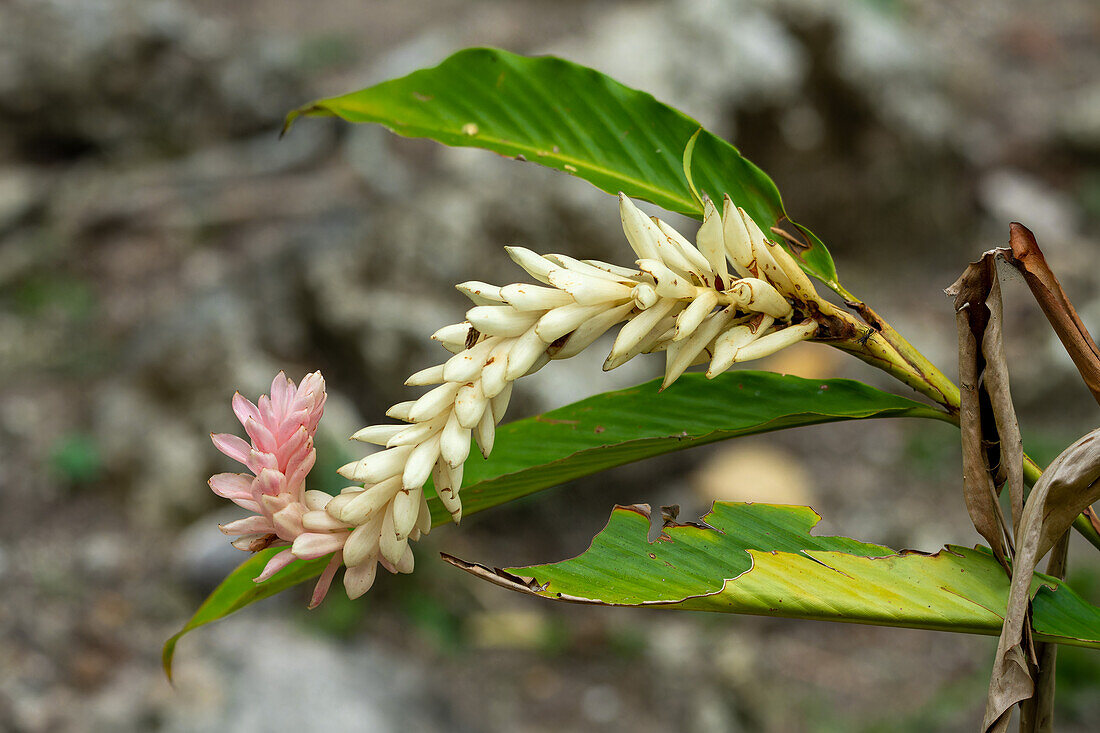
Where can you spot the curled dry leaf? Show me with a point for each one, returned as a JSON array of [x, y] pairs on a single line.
[[992, 448], [1037, 714], [1069, 485], [1026, 257]]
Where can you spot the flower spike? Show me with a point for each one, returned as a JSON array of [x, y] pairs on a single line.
[[737, 296]]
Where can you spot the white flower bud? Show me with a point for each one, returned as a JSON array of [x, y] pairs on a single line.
[[694, 314], [466, 365], [535, 265], [636, 329], [446, 478], [337, 504], [314, 499], [425, 377], [583, 268], [470, 402], [494, 374], [406, 563], [418, 466], [623, 272], [668, 283], [711, 243], [435, 401], [406, 508], [736, 239], [588, 289], [697, 264], [318, 520], [500, 320], [453, 337], [361, 546], [592, 329], [645, 296], [729, 343], [803, 290], [377, 466], [766, 266], [639, 230], [540, 362], [525, 297], [563, 320], [499, 404], [400, 411], [417, 432], [451, 502], [777, 340], [757, 295], [668, 304], [486, 434], [390, 545], [377, 434], [359, 579], [688, 350], [480, 293], [454, 443], [365, 505], [424, 518], [524, 353]]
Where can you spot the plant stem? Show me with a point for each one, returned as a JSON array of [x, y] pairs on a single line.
[[904, 362]]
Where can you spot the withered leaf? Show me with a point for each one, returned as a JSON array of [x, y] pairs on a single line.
[[1068, 486], [1037, 714], [991, 444], [1026, 257]]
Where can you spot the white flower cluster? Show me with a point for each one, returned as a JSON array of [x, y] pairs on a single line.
[[736, 296]]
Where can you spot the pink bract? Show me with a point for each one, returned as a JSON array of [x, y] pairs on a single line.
[[280, 455]]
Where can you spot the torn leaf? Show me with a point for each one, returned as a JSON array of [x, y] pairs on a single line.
[[762, 559]]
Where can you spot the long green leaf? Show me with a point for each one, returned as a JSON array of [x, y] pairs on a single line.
[[239, 590], [604, 431], [620, 427], [573, 119], [762, 559]]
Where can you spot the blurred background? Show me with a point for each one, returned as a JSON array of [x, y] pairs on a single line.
[[160, 247]]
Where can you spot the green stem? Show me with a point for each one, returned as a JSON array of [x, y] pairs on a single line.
[[915, 370]]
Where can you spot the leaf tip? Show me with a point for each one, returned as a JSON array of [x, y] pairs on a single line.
[[166, 656]]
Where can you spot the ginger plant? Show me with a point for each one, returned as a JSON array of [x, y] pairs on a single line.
[[741, 291]]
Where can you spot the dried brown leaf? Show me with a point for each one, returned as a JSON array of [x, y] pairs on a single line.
[[1040, 714], [991, 446], [1028, 259], [1068, 486]]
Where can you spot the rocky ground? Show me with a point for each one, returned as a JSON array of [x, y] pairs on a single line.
[[160, 248]]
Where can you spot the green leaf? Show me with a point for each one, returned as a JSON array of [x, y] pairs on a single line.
[[239, 590], [761, 559], [615, 428], [574, 119], [604, 431]]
